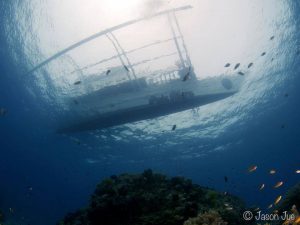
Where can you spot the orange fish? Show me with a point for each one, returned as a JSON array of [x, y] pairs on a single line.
[[277, 200], [297, 221], [252, 169], [279, 184], [262, 187], [272, 172]]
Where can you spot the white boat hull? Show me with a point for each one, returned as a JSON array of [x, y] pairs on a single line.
[[112, 109]]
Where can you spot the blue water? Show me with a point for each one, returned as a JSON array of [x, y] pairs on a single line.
[[258, 126]]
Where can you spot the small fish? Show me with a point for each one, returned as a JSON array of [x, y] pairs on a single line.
[[30, 188], [252, 169], [250, 64], [3, 112], [229, 208], [257, 209], [77, 141], [277, 200], [272, 171], [108, 72], [264, 53], [262, 187], [272, 38], [11, 210], [187, 76], [276, 211], [270, 206], [126, 68], [227, 65], [76, 102], [226, 204], [282, 126], [298, 171], [77, 82], [241, 73], [278, 184], [286, 95], [174, 127], [225, 193], [237, 66], [225, 179]]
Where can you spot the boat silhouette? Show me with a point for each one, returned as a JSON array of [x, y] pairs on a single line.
[[134, 98]]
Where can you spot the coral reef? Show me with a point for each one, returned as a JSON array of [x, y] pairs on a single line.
[[154, 199], [209, 218], [292, 198], [290, 204], [296, 219]]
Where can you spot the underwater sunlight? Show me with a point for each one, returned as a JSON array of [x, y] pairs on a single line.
[[115, 107]]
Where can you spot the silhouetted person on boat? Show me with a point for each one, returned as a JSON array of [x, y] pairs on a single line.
[[186, 73]]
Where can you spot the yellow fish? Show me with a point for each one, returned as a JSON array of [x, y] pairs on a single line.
[[272, 172], [262, 187], [277, 200], [252, 169], [279, 184]]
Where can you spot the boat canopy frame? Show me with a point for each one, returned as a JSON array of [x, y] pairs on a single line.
[[122, 55]]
